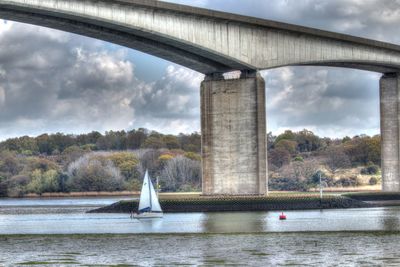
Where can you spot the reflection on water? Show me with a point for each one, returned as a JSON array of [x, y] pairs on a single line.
[[234, 222], [390, 219]]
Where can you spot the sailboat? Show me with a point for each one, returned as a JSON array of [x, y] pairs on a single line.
[[149, 206]]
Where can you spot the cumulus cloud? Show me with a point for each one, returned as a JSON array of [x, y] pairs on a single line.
[[62, 82], [54, 81], [314, 98]]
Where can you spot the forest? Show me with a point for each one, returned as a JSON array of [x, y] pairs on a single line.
[[117, 160]]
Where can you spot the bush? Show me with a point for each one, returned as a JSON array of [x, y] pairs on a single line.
[[371, 169], [287, 184], [313, 181], [347, 182], [16, 185], [94, 172], [373, 181], [299, 158], [42, 182]]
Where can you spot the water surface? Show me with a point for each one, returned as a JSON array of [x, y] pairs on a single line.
[[273, 249], [59, 232], [76, 221]]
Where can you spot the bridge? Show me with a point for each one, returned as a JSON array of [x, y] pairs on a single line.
[[233, 119]]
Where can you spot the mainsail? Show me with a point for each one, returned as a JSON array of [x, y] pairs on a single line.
[[148, 198]]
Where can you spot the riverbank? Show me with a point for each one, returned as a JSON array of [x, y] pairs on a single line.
[[220, 204]]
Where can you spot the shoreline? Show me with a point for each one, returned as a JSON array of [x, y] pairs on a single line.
[[177, 195]]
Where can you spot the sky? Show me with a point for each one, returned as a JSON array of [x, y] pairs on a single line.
[[53, 81]]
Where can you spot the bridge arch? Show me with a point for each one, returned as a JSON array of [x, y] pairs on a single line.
[[203, 40]]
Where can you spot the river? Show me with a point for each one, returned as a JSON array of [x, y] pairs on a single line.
[[59, 232]]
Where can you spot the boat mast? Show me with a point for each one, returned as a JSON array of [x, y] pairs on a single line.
[[149, 182], [157, 188]]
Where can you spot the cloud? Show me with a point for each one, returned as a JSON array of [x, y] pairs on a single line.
[[171, 104], [314, 98], [54, 81], [63, 82], [2, 96]]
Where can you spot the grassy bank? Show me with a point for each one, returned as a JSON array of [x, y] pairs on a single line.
[[220, 204]]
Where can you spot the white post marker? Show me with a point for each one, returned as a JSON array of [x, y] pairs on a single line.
[[320, 185]]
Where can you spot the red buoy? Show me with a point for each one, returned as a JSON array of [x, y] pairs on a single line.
[[282, 216]]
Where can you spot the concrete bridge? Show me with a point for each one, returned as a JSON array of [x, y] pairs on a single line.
[[233, 116]]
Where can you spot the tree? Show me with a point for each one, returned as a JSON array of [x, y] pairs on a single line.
[[16, 185], [171, 142], [94, 172], [190, 143], [336, 159], [42, 164], [279, 157], [182, 174], [301, 170], [307, 141], [72, 153], [9, 163], [42, 182], [148, 160], [112, 141], [154, 141], [287, 135], [288, 145], [364, 150], [44, 145], [136, 138], [127, 163]]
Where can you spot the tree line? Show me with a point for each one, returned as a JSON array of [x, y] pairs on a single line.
[[54, 144], [117, 160], [295, 157]]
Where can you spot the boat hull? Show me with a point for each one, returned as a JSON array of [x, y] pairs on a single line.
[[147, 215]]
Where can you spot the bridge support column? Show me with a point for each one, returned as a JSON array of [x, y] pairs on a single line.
[[390, 144], [233, 126]]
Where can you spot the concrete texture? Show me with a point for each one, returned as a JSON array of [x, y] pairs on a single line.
[[389, 101], [204, 40], [234, 136]]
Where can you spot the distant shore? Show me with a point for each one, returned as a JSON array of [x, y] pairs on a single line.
[[185, 195], [80, 194]]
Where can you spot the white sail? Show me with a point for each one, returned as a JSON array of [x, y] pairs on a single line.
[[148, 198], [144, 202], [155, 204]]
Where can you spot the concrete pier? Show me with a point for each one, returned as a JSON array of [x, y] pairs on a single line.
[[234, 135], [389, 102]]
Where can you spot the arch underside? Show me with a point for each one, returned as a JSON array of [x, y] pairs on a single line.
[[180, 53], [200, 59], [368, 66]]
